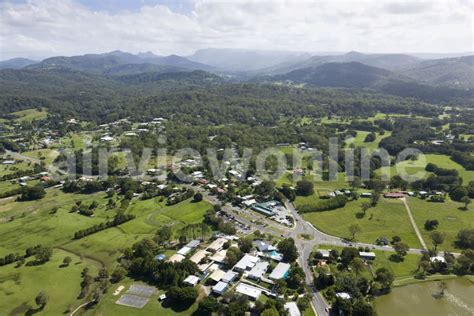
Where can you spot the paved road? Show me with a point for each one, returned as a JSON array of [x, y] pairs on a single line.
[[51, 168]]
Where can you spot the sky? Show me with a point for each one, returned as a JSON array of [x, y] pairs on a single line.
[[42, 28]]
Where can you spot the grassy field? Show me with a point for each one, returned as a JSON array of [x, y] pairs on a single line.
[[150, 214], [7, 169], [46, 155], [34, 224], [388, 218], [20, 286], [30, 115], [451, 219], [442, 161], [400, 270], [358, 141], [107, 305]]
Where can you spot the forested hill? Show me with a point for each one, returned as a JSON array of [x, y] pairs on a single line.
[[118, 62], [361, 76], [451, 72], [198, 97], [347, 75]]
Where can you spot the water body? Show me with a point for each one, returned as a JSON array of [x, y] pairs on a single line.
[[423, 299]]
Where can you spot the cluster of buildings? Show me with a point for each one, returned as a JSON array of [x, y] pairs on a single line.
[[244, 277]]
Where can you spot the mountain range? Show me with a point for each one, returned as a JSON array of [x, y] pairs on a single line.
[[400, 74]]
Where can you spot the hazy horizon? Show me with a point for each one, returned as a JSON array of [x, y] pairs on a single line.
[[421, 55], [38, 29]]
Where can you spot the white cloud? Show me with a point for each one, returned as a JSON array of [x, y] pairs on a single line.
[[41, 28]]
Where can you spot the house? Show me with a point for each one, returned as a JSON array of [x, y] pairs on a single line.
[[199, 256], [176, 258], [263, 209], [229, 277], [250, 291], [366, 194], [325, 253], [439, 259], [8, 162], [160, 257], [280, 271], [193, 243], [263, 246], [367, 255], [219, 256], [217, 244], [344, 295], [106, 138], [217, 275], [246, 263], [258, 270], [191, 280], [184, 251], [292, 309], [44, 179], [393, 195], [220, 288], [249, 203]]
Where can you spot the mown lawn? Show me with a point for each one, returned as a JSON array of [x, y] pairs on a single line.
[[358, 141], [449, 215], [388, 218], [20, 286], [7, 169], [400, 270], [46, 155], [34, 223], [150, 214], [30, 115], [107, 305], [442, 161]]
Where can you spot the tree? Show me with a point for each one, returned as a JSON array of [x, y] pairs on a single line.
[[348, 254], [364, 207], [354, 229], [458, 193], [186, 295], [271, 311], [163, 235], [118, 274], [43, 254], [384, 277], [233, 255], [304, 188], [208, 305], [245, 244], [197, 197], [466, 200], [465, 238], [288, 249], [32, 193], [41, 299], [401, 249], [431, 224], [437, 238], [357, 264], [370, 137], [67, 260]]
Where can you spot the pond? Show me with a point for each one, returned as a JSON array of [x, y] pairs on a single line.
[[423, 299]]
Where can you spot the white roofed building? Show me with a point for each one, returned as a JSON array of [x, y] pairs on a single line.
[[250, 291], [246, 263]]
